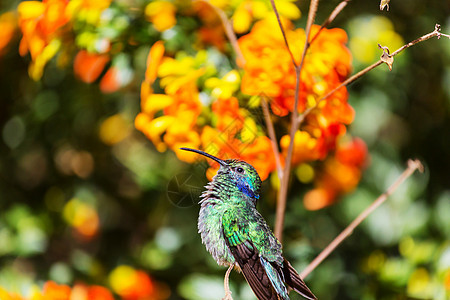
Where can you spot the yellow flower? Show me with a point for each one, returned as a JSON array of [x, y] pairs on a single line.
[[161, 14], [36, 67], [114, 129], [180, 104], [177, 73], [155, 102], [5, 295], [247, 11], [87, 10], [224, 87], [130, 283], [306, 148], [82, 217], [40, 23], [154, 128]]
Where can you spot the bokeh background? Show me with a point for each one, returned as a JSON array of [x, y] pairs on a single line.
[[86, 198]]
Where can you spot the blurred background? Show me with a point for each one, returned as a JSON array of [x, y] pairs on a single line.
[[85, 197]]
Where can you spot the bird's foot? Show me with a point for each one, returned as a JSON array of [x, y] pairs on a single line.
[[227, 285]]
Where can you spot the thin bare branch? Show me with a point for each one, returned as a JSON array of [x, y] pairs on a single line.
[[311, 17], [272, 136], [336, 11], [284, 180], [283, 32], [435, 33], [229, 31], [413, 165]]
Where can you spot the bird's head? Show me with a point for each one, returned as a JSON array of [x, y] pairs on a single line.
[[240, 174]]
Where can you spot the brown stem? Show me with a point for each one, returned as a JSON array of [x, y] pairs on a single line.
[[272, 136], [413, 165], [337, 10], [435, 33], [311, 17], [228, 27], [284, 180], [283, 32]]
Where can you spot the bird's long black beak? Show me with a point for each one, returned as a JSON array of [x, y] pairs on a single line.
[[221, 162]]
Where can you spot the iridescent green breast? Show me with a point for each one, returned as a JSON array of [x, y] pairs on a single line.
[[212, 209]]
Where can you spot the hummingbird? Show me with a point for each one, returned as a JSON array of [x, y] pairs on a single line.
[[236, 234]]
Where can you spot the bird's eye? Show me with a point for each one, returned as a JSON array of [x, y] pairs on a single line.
[[240, 170]]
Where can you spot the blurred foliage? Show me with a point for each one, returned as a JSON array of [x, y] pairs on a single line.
[[87, 201]]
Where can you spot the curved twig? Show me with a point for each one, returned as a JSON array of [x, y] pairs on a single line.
[[413, 165]]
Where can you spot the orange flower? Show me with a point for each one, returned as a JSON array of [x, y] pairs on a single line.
[[153, 61], [327, 135], [5, 295], [269, 69], [182, 121], [180, 105], [82, 217], [211, 33], [40, 23], [54, 291], [94, 292], [88, 66], [257, 152], [341, 174], [305, 147], [353, 153], [260, 155], [86, 7], [131, 284], [8, 24], [87, 10], [229, 116], [447, 280], [110, 82], [115, 78], [94, 4], [314, 142], [318, 198], [178, 123], [246, 11], [225, 87], [161, 14]]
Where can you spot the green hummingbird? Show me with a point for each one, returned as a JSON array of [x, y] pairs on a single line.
[[236, 234]]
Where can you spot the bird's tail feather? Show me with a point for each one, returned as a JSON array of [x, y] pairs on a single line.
[[293, 279], [275, 279]]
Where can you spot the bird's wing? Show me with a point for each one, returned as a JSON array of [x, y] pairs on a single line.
[[253, 266], [293, 279]]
